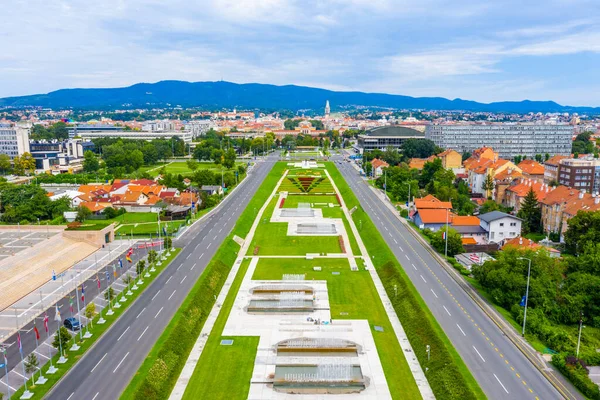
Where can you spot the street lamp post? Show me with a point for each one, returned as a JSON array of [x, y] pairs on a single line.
[[447, 212], [526, 293], [579, 336]]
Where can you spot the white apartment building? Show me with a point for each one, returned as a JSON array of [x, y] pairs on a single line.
[[186, 136], [508, 139], [500, 226], [14, 139]]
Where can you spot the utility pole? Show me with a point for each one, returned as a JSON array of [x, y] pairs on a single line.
[[579, 337], [447, 212], [526, 293]]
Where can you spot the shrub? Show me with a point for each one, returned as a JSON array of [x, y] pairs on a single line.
[[577, 374], [404, 213], [74, 225]]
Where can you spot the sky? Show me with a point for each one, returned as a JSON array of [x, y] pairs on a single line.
[[469, 49]]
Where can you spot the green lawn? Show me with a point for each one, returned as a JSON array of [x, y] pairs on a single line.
[[292, 200], [180, 167], [272, 239], [352, 295], [148, 228]]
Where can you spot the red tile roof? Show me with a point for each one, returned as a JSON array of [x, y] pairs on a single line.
[[437, 216], [531, 167], [465, 221]]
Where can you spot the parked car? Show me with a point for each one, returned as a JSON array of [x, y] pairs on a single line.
[[72, 324]]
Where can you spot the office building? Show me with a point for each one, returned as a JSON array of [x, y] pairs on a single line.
[[14, 139], [387, 136], [508, 140], [80, 129], [186, 136]]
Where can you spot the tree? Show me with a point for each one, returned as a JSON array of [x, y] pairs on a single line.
[[454, 242], [4, 163], [109, 294], [418, 148], [229, 158], [583, 229], [538, 158], [217, 156], [489, 206], [168, 243], [192, 164], [152, 257], [82, 213], [531, 213], [517, 159], [466, 155], [31, 363], [64, 336], [90, 162], [90, 311], [141, 265], [488, 185], [204, 177]]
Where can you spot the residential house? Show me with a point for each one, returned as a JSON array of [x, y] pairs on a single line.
[[419, 163], [469, 228], [515, 194], [451, 159], [431, 213], [502, 181], [483, 153], [500, 226], [551, 169], [583, 202], [532, 170], [553, 205], [521, 243], [580, 173], [95, 208], [211, 189], [378, 166], [485, 167]]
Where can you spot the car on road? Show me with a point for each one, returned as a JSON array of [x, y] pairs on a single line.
[[72, 324]]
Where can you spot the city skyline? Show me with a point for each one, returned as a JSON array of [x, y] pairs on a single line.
[[493, 52]]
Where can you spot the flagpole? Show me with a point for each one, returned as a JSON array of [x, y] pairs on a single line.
[[61, 359], [79, 309], [46, 328], [21, 350], [3, 350]]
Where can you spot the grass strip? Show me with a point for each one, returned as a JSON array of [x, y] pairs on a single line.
[[40, 391], [158, 373], [447, 374]]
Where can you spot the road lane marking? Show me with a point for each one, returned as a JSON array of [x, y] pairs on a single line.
[[123, 333], [479, 354], [143, 333], [98, 363], [196, 248], [414, 267], [71, 395], [201, 255], [183, 280], [436, 296], [208, 245], [401, 249], [447, 310], [168, 280], [500, 383], [158, 312], [172, 294], [96, 395], [156, 294], [395, 241], [193, 266], [120, 362], [140, 313], [423, 278], [406, 257], [188, 256], [180, 265], [463, 332]]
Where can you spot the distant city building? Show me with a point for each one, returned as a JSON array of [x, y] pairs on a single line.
[[580, 174], [59, 156], [79, 129], [186, 136], [199, 127], [551, 169], [387, 136], [14, 139], [158, 126], [327, 109], [508, 140]]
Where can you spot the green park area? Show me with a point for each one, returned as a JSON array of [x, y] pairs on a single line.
[[183, 168]]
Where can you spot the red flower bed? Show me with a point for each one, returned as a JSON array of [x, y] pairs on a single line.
[[281, 202], [341, 241]]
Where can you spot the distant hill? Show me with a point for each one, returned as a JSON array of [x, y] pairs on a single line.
[[254, 95]]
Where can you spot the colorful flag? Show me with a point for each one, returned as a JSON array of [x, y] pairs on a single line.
[[82, 294], [37, 333], [98, 280], [71, 303], [19, 342], [46, 322], [107, 276], [523, 299], [115, 271], [128, 259], [120, 263], [444, 235], [56, 314]]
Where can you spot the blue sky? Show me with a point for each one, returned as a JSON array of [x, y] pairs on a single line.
[[505, 50]]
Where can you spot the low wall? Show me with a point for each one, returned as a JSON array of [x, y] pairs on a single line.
[[97, 238]]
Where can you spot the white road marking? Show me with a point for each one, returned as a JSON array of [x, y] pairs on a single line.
[[96, 395], [140, 313], [500, 383], [188, 256], [395, 241], [423, 278], [143, 333], [98, 363], [407, 257], [172, 294], [40, 354], [158, 312], [201, 255], [193, 266], [414, 267], [196, 248], [120, 362], [447, 310], [479, 354], [183, 280], [463, 332], [436, 296], [156, 294], [71, 395], [123, 333], [400, 247], [168, 280], [180, 265], [11, 388]]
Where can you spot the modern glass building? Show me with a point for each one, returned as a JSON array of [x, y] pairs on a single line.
[[387, 136], [508, 140]]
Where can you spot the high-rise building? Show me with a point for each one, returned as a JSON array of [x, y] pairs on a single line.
[[14, 139], [508, 140], [580, 174], [327, 109]]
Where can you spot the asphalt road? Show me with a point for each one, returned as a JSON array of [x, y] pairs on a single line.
[[107, 368], [500, 368]]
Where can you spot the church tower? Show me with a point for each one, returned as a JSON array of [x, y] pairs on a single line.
[[327, 109]]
